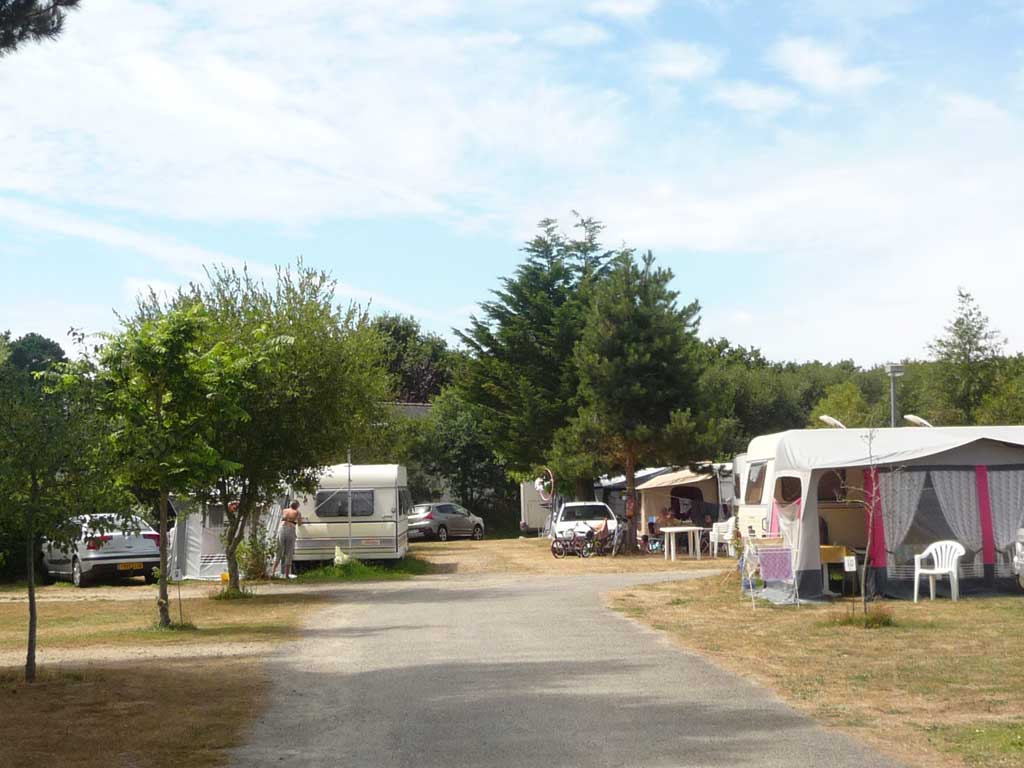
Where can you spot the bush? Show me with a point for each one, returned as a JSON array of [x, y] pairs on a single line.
[[357, 570], [255, 555]]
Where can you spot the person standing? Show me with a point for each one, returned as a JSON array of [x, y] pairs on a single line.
[[290, 521]]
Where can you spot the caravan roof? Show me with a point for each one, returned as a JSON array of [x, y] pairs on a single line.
[[364, 476], [807, 449]]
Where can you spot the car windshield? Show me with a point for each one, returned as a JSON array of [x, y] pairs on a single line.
[[421, 509], [585, 512]]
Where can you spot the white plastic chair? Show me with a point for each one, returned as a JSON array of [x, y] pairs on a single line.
[[723, 533], [945, 556]]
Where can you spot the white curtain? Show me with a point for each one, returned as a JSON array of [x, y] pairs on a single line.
[[1006, 491], [901, 493], [957, 491]]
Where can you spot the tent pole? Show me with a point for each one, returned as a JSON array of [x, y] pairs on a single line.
[[350, 503]]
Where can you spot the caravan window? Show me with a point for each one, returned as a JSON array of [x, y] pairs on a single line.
[[404, 501], [335, 503], [832, 485], [755, 482]]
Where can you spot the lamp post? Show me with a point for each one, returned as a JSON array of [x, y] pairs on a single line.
[[894, 371]]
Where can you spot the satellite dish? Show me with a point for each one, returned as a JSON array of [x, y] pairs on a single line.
[[834, 423]]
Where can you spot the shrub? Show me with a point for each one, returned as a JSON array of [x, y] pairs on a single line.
[[255, 555]]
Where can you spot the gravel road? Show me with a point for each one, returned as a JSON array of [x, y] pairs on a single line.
[[472, 671]]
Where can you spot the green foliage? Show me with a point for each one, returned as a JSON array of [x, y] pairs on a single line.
[[457, 449], [255, 554], [24, 21], [520, 371], [638, 365], [420, 364], [967, 359], [302, 382], [243, 592], [845, 402], [1004, 404]]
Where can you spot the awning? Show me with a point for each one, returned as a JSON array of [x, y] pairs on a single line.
[[672, 479]]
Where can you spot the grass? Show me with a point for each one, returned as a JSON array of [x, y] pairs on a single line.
[[82, 624], [357, 570], [161, 715], [533, 555], [131, 693], [944, 676]]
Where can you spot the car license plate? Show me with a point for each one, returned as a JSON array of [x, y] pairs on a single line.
[[130, 566]]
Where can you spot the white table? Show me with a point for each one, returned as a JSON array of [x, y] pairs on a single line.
[[693, 531]]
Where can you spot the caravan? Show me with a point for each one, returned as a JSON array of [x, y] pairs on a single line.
[[363, 509]]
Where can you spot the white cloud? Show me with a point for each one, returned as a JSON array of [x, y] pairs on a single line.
[[682, 61], [836, 250], [822, 67], [754, 98], [575, 35], [623, 9], [288, 113]]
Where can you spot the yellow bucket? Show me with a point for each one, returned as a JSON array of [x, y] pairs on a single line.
[[225, 577]]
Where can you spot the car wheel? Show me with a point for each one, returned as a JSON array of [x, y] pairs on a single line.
[[478, 532], [77, 577], [45, 577], [442, 534], [150, 576]]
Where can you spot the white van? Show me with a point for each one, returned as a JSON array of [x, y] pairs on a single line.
[[378, 528]]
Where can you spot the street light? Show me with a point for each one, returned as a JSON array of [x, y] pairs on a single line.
[[894, 370], [917, 420], [834, 423]]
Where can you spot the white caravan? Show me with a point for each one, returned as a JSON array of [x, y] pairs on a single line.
[[755, 471], [362, 508]]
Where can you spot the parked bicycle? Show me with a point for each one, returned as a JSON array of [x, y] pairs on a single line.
[[573, 542]]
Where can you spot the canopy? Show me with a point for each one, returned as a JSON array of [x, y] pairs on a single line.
[[672, 479], [809, 449]]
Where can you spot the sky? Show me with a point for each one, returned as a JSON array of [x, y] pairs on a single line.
[[821, 175]]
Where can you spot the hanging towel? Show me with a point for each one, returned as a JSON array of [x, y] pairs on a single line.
[[776, 564]]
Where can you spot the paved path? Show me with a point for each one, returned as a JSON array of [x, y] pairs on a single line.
[[460, 672]]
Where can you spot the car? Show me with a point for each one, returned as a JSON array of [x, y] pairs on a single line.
[[578, 515], [106, 547], [442, 521]]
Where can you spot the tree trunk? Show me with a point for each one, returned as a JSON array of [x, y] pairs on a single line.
[[235, 534], [161, 601], [585, 489], [30, 558], [627, 542]]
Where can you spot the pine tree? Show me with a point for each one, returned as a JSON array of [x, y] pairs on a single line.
[[24, 21]]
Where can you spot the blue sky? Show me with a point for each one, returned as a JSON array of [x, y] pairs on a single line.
[[822, 175]]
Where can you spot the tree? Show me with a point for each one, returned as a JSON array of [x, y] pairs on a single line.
[[967, 358], [304, 381], [520, 369], [420, 363], [638, 362], [35, 354], [50, 467], [458, 451], [845, 402], [155, 380], [23, 21], [1005, 403]]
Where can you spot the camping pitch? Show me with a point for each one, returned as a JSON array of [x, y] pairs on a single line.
[[815, 489]]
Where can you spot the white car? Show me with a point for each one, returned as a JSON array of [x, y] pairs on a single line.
[[578, 515], [103, 551]]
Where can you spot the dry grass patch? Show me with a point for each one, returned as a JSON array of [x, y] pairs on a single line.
[[942, 685], [182, 699], [534, 556], [167, 713], [82, 624]]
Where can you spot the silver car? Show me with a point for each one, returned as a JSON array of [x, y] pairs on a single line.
[[442, 521], [104, 549]]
